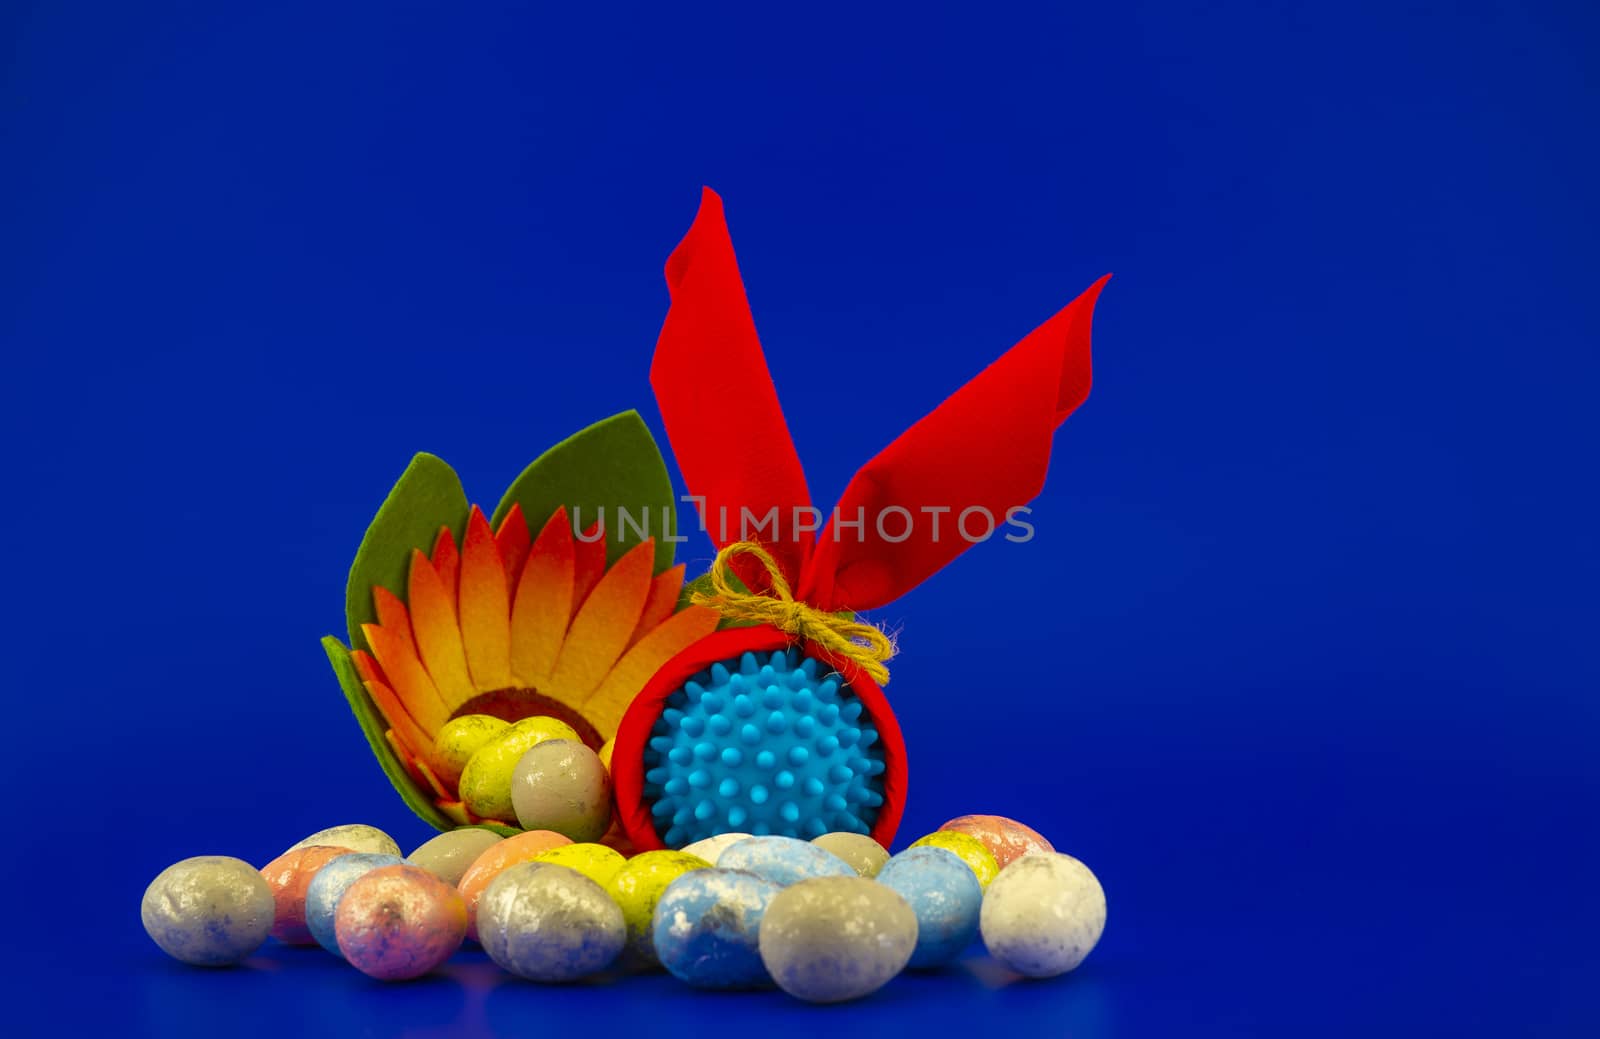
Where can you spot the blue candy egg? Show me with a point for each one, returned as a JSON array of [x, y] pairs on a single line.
[[944, 894], [707, 928], [771, 743], [783, 860], [329, 885]]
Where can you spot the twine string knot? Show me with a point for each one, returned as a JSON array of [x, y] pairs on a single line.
[[864, 644]]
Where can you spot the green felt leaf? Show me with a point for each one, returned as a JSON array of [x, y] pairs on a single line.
[[427, 496], [373, 727], [614, 464]]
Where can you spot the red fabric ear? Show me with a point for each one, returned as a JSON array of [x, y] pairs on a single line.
[[627, 753], [987, 447], [719, 405]]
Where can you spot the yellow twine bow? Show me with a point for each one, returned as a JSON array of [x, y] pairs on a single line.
[[861, 643]]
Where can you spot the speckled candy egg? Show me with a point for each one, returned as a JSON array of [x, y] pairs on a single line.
[[865, 855], [707, 928], [399, 922], [210, 911], [524, 847], [448, 855], [1006, 839], [712, 848], [966, 848], [1043, 914], [486, 780], [561, 785], [329, 884], [784, 860], [836, 938], [549, 923], [638, 886], [945, 895], [355, 836], [289, 875], [595, 861]]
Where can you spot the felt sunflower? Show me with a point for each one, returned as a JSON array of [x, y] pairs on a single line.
[[452, 613]]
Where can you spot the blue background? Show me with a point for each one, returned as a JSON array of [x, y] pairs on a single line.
[[1302, 660]]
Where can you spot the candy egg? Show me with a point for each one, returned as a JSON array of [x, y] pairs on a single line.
[[944, 893], [707, 928], [712, 848], [486, 780], [329, 884], [638, 886], [448, 855], [1043, 914], [865, 855], [399, 922], [288, 876], [210, 911], [968, 849], [836, 938], [1006, 839], [784, 860], [524, 847], [561, 785], [355, 836], [459, 739], [595, 861], [549, 923]]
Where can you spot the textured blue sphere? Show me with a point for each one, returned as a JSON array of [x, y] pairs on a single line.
[[329, 885], [944, 894], [707, 928], [769, 748]]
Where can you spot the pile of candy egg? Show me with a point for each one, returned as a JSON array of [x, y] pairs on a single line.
[[825, 920]]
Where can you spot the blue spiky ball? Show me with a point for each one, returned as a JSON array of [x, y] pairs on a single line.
[[779, 746]]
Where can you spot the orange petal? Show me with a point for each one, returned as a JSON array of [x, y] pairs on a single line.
[[591, 564], [485, 607], [604, 623], [433, 622], [604, 709], [664, 591], [404, 728], [392, 613], [366, 667], [447, 561], [543, 605], [514, 542], [432, 780], [408, 678], [407, 759]]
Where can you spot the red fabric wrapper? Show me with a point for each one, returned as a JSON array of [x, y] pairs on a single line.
[[987, 446]]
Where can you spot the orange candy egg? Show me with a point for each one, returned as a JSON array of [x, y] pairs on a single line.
[[1005, 838], [524, 847], [288, 876]]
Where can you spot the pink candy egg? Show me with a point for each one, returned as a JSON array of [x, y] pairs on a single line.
[[1005, 838], [288, 876], [399, 922]]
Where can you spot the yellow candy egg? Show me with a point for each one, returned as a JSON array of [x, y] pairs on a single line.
[[966, 848], [595, 861], [460, 739], [638, 886], [486, 780]]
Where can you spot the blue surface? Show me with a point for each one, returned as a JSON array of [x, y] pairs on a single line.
[[762, 746], [1301, 660]]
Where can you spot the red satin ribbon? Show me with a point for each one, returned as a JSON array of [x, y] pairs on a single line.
[[987, 446]]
